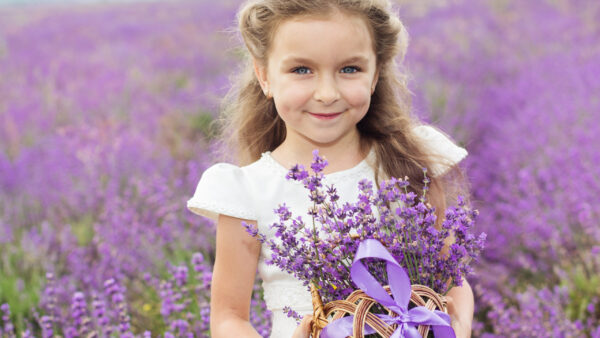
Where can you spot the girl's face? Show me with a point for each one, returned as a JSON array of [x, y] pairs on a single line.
[[321, 73]]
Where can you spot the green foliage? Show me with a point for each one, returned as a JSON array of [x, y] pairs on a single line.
[[181, 81], [20, 284], [583, 282], [83, 229], [203, 122], [145, 309]]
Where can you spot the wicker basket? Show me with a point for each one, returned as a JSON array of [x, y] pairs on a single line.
[[358, 304]]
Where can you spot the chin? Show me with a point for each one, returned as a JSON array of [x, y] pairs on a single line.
[[321, 141]]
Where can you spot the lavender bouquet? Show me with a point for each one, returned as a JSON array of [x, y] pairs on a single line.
[[322, 251]]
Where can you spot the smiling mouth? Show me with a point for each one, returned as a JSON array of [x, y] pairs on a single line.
[[325, 116]]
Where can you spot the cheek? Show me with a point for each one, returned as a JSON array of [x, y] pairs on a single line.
[[358, 94], [292, 96]]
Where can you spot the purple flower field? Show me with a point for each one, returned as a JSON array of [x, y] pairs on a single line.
[[105, 114]]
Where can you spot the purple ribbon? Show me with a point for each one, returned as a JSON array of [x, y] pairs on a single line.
[[407, 320]]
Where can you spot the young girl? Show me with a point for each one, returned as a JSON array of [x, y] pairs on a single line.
[[321, 75]]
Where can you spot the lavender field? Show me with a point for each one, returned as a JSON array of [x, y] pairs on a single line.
[[105, 129]]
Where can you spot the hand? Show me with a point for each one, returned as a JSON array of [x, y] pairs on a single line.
[[462, 327], [304, 328]]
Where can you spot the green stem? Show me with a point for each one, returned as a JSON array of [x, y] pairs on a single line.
[[407, 261], [315, 235]]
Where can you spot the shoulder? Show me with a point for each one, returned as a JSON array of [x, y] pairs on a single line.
[[232, 190], [223, 189], [443, 152], [230, 174], [225, 174]]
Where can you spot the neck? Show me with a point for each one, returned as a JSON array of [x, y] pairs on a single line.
[[341, 155]]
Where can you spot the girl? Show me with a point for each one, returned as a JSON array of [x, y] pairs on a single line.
[[321, 75]]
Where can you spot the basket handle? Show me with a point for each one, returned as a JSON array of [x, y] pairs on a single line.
[[319, 320]]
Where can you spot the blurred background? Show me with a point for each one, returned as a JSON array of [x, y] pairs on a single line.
[[105, 112]]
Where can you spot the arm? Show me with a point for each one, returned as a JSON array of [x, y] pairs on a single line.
[[233, 279], [461, 306], [460, 299]]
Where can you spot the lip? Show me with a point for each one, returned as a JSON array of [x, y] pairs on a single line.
[[325, 116]]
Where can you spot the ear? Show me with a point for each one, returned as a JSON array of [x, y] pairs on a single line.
[[375, 79], [261, 74]]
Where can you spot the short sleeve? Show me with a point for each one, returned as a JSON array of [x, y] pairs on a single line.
[[223, 189], [444, 153]]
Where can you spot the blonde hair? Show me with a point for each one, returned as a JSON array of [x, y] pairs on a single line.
[[252, 126]]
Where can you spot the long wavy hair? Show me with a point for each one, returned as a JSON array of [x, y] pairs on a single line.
[[251, 125]]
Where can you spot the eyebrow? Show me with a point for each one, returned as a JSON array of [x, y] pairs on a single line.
[[354, 59], [359, 59]]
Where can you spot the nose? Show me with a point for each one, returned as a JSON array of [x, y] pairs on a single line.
[[326, 90]]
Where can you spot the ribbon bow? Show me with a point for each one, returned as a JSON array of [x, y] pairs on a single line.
[[399, 283]]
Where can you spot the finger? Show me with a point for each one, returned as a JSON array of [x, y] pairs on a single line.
[[306, 325], [307, 320], [303, 329]]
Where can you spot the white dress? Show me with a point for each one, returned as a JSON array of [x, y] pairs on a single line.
[[253, 192]]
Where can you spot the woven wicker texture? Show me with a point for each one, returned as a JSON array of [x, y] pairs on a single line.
[[359, 304]]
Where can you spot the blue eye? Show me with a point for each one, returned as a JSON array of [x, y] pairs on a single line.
[[301, 70], [350, 69]]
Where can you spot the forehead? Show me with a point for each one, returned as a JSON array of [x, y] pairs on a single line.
[[323, 37]]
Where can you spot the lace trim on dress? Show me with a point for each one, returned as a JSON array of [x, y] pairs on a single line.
[[358, 170], [275, 166], [213, 210]]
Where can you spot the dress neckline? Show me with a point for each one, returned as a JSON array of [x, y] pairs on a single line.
[[357, 169]]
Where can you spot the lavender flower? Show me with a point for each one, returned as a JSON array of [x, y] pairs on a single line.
[[100, 315], [322, 253], [292, 314], [181, 275], [46, 324], [74, 116], [116, 294], [79, 314], [185, 301], [8, 327]]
